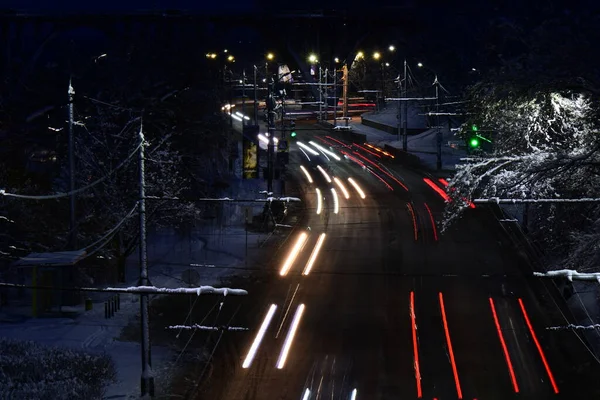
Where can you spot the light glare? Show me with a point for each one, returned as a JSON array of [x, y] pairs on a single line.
[[293, 254], [314, 255], [290, 337]]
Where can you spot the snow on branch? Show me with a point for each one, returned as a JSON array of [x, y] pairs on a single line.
[[201, 290], [207, 328], [570, 274], [516, 201], [227, 199], [571, 326]]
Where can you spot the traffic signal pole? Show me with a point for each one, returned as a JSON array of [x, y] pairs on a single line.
[[271, 130], [437, 118]]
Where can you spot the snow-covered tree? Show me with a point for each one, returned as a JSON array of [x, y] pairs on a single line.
[[546, 144]]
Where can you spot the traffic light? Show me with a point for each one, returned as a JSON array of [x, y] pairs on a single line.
[[293, 129], [474, 142], [474, 128]]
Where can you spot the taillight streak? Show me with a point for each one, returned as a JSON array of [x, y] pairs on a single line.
[[413, 319], [435, 236], [511, 371], [382, 170], [450, 349]]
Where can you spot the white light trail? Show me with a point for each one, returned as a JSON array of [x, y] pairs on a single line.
[[353, 395], [293, 254], [324, 150], [325, 175], [306, 394], [259, 336], [358, 189], [306, 174], [336, 205], [319, 201], [290, 337], [342, 187], [314, 255], [305, 147], [236, 117], [305, 154], [265, 139]]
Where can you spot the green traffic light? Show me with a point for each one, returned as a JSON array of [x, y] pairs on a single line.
[[474, 142], [293, 134], [474, 128]]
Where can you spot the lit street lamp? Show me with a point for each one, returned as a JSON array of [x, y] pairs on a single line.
[[231, 58], [391, 48], [376, 55], [270, 56], [313, 58]]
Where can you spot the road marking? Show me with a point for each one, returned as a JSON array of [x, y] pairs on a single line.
[[504, 348], [413, 318], [539, 346], [259, 336], [450, 350], [287, 310], [435, 236], [290, 337]]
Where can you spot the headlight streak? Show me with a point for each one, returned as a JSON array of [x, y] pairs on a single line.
[[336, 204], [259, 336], [319, 201], [310, 150], [324, 150], [306, 174], [265, 139], [353, 395], [306, 394], [293, 254], [342, 187], [325, 174], [290, 337], [357, 188], [314, 255], [236, 117], [305, 154]]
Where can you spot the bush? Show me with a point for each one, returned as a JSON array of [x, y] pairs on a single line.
[[32, 371]]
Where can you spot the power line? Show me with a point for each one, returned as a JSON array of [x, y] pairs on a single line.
[[82, 189], [141, 290]]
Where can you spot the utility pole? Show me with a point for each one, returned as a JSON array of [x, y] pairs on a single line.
[[335, 98], [271, 130], [320, 96], [405, 107], [147, 378], [243, 97], [325, 94], [345, 92], [437, 123], [72, 224], [255, 99]]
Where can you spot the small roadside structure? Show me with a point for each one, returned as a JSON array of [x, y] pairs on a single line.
[[48, 274]]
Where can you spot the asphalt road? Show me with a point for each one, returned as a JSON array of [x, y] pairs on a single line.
[[382, 255]]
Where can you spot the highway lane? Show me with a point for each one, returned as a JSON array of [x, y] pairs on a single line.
[[381, 256]]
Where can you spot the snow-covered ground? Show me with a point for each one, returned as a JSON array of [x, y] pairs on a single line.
[[213, 250]]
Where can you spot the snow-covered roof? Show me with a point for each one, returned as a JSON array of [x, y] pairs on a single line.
[[55, 259]]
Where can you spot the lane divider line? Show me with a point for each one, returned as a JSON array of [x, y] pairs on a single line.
[[504, 348], [539, 346], [413, 318], [450, 349]]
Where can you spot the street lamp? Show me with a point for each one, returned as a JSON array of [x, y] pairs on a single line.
[[313, 58], [391, 48], [359, 55], [376, 55], [336, 60], [270, 56], [211, 55], [230, 58], [437, 116]]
